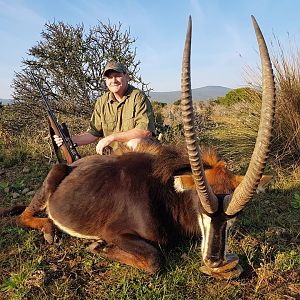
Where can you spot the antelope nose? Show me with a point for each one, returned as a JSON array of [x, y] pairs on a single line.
[[212, 262]]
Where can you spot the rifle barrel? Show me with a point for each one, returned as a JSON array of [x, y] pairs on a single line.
[[53, 120]]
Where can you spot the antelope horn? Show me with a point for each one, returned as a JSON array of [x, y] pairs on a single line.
[[207, 198], [247, 187]]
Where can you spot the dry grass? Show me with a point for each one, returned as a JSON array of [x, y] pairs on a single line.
[[287, 124], [286, 140]]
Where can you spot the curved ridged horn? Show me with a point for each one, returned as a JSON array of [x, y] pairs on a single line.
[[208, 200], [246, 189]]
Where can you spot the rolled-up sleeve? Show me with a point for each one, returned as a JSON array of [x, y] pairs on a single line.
[[95, 127]]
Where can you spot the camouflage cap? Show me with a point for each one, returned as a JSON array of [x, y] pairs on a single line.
[[114, 66]]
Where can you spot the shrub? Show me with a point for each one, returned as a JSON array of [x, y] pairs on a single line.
[[170, 125], [245, 94]]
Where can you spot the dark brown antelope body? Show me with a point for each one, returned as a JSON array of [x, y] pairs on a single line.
[[129, 201], [127, 194], [133, 203]]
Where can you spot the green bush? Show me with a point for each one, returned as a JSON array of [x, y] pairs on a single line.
[[238, 95]]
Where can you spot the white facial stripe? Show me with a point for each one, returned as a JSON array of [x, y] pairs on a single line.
[[205, 223], [72, 232]]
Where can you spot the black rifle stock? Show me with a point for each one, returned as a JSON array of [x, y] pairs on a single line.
[[68, 149]]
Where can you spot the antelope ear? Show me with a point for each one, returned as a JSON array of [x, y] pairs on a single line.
[[262, 185], [264, 181], [237, 180], [183, 183]]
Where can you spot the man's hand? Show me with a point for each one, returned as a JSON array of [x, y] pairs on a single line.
[[104, 143], [58, 140]]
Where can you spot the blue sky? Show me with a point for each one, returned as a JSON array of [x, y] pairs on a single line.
[[223, 39]]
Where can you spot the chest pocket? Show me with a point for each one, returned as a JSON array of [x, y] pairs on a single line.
[[109, 126], [127, 120]]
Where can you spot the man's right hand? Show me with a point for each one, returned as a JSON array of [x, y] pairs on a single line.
[[58, 140], [103, 143]]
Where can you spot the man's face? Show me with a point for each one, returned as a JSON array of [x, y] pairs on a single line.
[[117, 82]]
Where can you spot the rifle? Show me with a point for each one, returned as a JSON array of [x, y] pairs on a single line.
[[68, 148]]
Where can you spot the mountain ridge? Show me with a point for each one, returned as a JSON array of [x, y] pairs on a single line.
[[201, 94]]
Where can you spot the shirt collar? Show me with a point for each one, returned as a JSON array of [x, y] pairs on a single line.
[[111, 97]]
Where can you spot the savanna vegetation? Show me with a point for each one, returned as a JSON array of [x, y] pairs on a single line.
[[266, 237]]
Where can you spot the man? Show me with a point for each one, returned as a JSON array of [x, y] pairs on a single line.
[[123, 114]]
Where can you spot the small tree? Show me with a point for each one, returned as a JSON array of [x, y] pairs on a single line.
[[69, 64]]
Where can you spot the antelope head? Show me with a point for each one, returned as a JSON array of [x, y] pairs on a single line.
[[218, 212]]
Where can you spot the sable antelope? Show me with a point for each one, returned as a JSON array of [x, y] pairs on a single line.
[[135, 202]]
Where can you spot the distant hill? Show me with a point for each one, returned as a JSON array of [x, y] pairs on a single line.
[[6, 101], [203, 93]]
